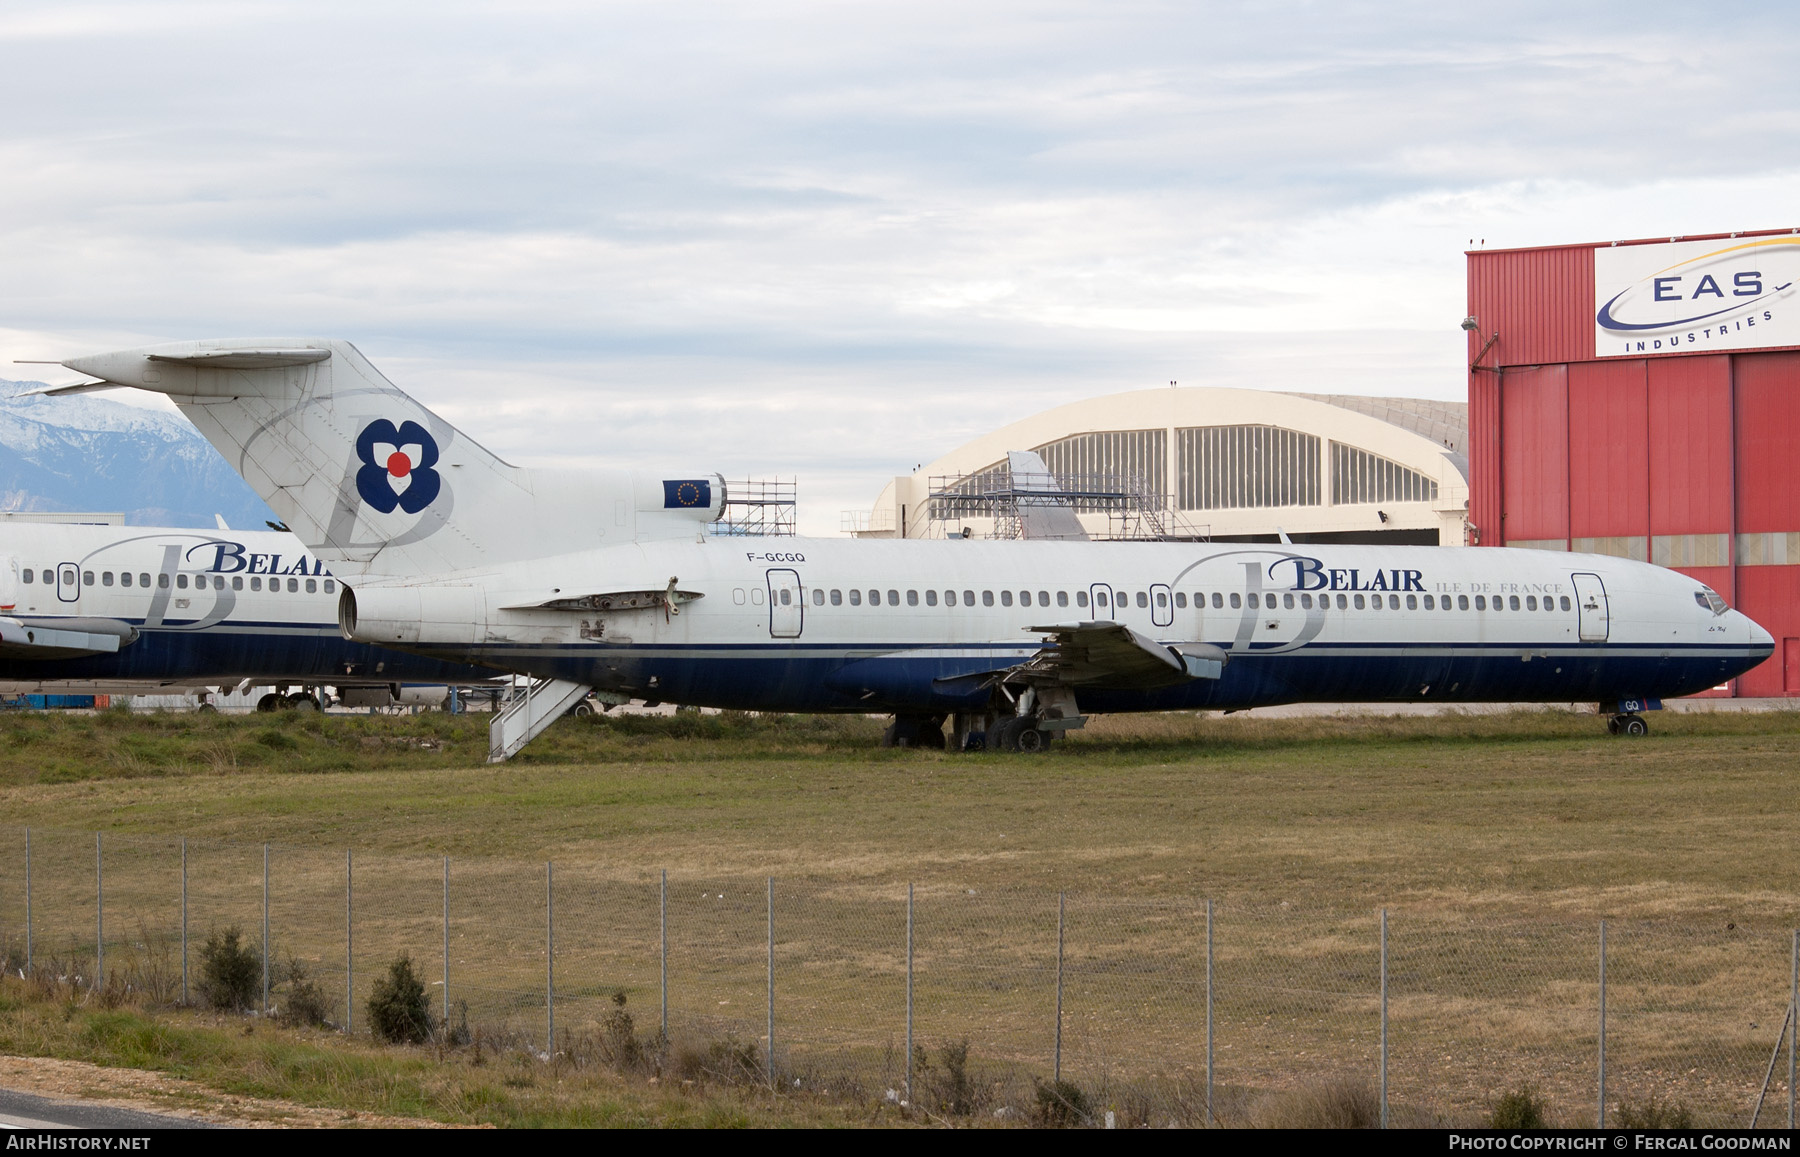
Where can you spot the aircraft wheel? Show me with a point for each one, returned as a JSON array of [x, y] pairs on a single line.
[[301, 701], [931, 734], [582, 709], [1007, 734], [271, 702], [1612, 725], [1031, 741], [1633, 725], [207, 709]]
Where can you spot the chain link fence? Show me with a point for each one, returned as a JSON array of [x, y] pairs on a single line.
[[961, 1001]]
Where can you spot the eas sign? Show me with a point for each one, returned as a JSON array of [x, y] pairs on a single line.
[[1689, 296]]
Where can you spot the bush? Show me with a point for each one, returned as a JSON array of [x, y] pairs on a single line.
[[1333, 1103], [619, 1045], [305, 1004], [1520, 1109], [1653, 1114], [1060, 1104], [947, 1088], [230, 972], [399, 1009]]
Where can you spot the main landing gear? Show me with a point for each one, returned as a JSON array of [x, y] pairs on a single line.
[[1627, 725], [926, 731], [302, 700]]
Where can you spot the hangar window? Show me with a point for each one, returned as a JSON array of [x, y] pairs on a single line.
[[1359, 602], [912, 598], [818, 596], [1081, 599], [1236, 602], [855, 597], [987, 598], [1359, 476], [931, 598], [737, 596], [837, 598], [1006, 598], [330, 586], [968, 598], [1138, 455], [1062, 598], [1222, 467]]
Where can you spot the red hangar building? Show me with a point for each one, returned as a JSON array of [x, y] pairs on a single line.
[[1642, 399]]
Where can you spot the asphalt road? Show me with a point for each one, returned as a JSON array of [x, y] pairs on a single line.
[[25, 1111]]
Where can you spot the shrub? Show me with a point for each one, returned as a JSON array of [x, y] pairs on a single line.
[[230, 972], [619, 1045], [1653, 1114], [399, 1009], [305, 1004], [947, 1086], [1343, 1103], [1060, 1104], [1520, 1109]]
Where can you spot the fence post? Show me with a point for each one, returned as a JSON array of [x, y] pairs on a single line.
[[28, 964], [1210, 1119], [184, 923], [1602, 1112], [265, 938], [1056, 1063], [771, 981], [349, 947], [550, 955], [663, 932], [446, 949], [909, 993], [99, 916], [1384, 1020]]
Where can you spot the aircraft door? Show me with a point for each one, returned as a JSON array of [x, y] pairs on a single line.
[[1590, 602], [1100, 602], [1162, 605], [68, 582], [787, 611]]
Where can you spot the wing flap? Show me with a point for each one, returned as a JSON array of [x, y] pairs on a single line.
[[21, 639]]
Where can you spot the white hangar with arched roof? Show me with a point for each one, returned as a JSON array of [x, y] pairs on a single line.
[[1224, 464]]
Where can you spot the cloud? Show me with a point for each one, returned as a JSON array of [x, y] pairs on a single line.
[[839, 239]]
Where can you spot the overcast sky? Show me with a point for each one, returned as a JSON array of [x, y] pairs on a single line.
[[835, 240]]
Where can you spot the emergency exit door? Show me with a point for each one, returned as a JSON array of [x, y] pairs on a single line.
[[787, 614], [1590, 603]]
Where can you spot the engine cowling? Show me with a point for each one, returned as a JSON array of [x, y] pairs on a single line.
[[438, 614]]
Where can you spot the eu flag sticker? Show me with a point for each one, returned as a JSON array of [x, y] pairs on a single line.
[[685, 493]]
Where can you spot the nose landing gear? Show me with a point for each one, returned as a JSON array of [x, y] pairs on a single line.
[[1627, 725]]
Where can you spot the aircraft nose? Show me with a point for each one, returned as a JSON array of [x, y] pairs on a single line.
[[1760, 639]]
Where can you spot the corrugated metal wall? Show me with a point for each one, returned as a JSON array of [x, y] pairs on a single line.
[[1686, 459]]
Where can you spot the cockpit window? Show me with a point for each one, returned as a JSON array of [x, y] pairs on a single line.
[[1709, 598]]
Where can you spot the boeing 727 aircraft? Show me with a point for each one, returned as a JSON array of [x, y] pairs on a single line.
[[606, 580], [143, 609]]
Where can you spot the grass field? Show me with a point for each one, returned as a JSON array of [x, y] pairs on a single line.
[[1507, 812], [1497, 839]]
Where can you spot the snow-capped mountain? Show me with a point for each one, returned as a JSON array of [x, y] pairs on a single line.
[[85, 452]]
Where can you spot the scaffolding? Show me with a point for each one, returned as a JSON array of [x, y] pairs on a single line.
[[1134, 512], [755, 508]]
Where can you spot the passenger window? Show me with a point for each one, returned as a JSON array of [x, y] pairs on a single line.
[[931, 598], [1043, 598], [28, 575], [949, 598], [1531, 602], [162, 581], [1343, 602], [1256, 602], [1181, 599], [1481, 602], [912, 598], [181, 581], [1236, 601], [837, 597], [1141, 600], [855, 597], [1006, 598], [1099, 598], [87, 578], [143, 580], [1287, 601], [818, 596], [124, 578], [987, 598], [1565, 603], [1062, 598], [48, 579], [893, 598], [1306, 602], [787, 597], [1375, 602], [1081, 599], [312, 586], [1412, 602], [756, 593], [1512, 602], [237, 583], [106, 578], [737, 596], [1393, 602], [968, 598], [1462, 602], [330, 586], [1162, 598], [1218, 600], [1429, 605], [1359, 602]]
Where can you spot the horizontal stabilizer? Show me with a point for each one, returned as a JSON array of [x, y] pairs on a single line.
[[266, 359]]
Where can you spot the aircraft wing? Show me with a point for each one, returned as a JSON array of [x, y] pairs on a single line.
[[62, 638], [1110, 655]]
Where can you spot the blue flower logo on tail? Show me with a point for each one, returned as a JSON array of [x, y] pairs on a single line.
[[397, 466]]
